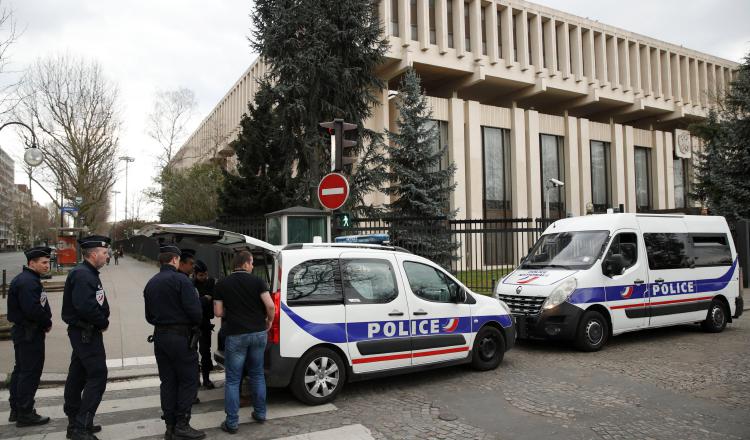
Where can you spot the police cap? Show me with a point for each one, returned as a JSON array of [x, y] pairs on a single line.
[[200, 266], [170, 248], [94, 241], [37, 252]]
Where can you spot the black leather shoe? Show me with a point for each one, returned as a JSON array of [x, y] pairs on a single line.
[[82, 434], [30, 419], [13, 416], [183, 431], [207, 384], [196, 401], [226, 428], [169, 434], [93, 429]]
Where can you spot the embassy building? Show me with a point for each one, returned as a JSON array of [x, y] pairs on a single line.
[[522, 94]]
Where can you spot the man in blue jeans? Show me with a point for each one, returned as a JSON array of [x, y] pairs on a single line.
[[243, 301]]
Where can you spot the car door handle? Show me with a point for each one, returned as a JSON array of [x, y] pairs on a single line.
[[638, 282], [396, 313], [420, 313], [659, 280]]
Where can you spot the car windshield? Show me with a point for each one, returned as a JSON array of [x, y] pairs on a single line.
[[566, 250]]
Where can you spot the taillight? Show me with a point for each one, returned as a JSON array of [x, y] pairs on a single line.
[[274, 331]]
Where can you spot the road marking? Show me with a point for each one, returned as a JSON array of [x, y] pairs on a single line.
[[117, 405], [349, 432], [210, 420], [131, 361], [147, 382], [332, 191]]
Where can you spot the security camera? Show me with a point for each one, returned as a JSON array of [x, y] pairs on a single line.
[[555, 183]]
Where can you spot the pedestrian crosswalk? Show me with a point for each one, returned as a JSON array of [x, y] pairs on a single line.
[[122, 411]]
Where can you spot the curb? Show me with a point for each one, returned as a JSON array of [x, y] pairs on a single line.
[[56, 379]]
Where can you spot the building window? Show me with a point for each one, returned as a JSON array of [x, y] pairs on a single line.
[[440, 145], [394, 18], [496, 147], [601, 180], [551, 154], [681, 189], [413, 20], [449, 8], [433, 18], [467, 28], [642, 179], [484, 33]]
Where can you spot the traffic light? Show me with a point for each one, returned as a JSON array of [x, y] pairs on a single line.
[[341, 149], [343, 220]]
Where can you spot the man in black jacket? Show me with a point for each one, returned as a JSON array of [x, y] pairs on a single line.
[[86, 311], [31, 316], [205, 286], [173, 308]]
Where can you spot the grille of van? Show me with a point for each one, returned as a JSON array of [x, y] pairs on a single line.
[[523, 305]]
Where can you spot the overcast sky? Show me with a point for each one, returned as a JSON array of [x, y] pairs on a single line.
[[147, 45]]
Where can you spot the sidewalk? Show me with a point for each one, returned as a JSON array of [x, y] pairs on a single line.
[[124, 341]]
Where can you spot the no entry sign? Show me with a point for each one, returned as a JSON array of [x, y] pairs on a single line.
[[333, 191]]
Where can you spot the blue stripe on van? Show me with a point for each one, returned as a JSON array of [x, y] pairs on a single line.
[[587, 295]]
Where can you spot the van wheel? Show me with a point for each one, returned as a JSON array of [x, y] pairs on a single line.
[[593, 331], [716, 320], [318, 377], [488, 350]]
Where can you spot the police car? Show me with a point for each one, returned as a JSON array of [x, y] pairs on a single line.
[[351, 311], [592, 277]]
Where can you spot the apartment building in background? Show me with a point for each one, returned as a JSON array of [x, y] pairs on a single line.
[[522, 93]]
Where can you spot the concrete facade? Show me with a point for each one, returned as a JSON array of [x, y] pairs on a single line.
[[7, 195], [557, 86]]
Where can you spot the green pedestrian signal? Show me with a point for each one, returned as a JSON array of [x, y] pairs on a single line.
[[344, 220]]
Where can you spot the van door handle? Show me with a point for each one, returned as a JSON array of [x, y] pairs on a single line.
[[420, 313], [396, 313], [659, 280], [638, 282]]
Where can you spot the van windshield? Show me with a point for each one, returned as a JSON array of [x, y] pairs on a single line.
[[566, 250]]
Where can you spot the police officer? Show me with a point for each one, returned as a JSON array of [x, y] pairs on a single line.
[[205, 286], [173, 308], [31, 316], [86, 311]]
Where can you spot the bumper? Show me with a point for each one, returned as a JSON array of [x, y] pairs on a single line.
[[560, 322], [739, 304], [278, 370], [510, 336]]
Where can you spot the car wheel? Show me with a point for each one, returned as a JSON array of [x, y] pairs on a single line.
[[593, 331], [488, 350], [716, 320], [319, 376]]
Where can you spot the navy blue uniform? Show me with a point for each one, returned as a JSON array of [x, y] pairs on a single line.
[[86, 311], [31, 316], [173, 307], [206, 288]]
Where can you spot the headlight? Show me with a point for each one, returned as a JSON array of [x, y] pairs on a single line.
[[560, 294], [504, 306]]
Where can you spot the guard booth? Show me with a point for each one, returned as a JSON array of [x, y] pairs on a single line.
[[297, 225], [67, 246]]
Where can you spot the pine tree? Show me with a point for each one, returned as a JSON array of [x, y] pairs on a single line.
[[321, 57], [722, 169], [419, 189]]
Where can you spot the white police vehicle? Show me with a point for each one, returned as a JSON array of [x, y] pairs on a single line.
[[347, 312], [588, 278]]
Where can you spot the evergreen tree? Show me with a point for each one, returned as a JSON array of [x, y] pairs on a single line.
[[321, 57], [264, 181], [722, 169], [419, 188]]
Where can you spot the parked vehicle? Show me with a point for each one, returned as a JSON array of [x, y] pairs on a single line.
[[588, 278], [348, 312]]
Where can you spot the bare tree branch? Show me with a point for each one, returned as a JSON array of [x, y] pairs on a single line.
[[167, 122]]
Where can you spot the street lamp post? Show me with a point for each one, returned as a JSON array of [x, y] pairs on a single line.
[[33, 157], [114, 226], [127, 159]]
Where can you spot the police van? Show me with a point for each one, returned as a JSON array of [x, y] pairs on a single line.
[[588, 278], [351, 311]]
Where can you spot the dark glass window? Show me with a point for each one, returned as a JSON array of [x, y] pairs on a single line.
[[433, 32], [711, 250], [429, 283], [467, 28], [667, 251], [601, 180], [497, 174], [394, 18], [450, 22], [551, 155], [314, 282], [625, 244], [642, 179], [413, 20], [368, 281], [680, 183], [484, 32]]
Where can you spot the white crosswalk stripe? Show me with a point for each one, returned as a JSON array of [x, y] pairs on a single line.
[[348, 432]]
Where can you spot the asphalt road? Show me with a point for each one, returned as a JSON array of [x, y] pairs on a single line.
[[12, 262]]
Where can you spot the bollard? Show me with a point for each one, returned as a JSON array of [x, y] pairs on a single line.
[[4, 287]]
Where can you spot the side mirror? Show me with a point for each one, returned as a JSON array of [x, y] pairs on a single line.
[[458, 295], [613, 265]]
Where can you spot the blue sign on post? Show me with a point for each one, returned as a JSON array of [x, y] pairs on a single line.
[[70, 209]]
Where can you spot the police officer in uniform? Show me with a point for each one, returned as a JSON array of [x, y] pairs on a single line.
[[86, 311], [31, 316], [205, 286], [173, 308]]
